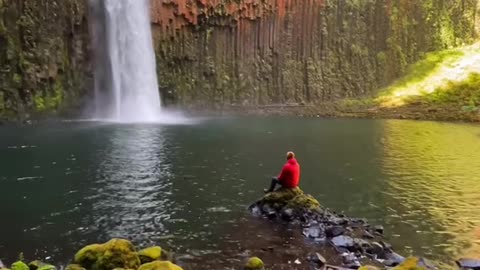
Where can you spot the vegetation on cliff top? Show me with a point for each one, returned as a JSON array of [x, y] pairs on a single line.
[[445, 77]]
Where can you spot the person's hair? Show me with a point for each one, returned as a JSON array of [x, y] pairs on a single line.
[[290, 155]]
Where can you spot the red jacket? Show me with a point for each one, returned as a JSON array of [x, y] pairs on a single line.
[[290, 175]]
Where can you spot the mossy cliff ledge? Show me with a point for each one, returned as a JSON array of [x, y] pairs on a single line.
[[44, 57]]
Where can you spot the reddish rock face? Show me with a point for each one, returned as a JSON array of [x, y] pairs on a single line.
[[174, 14]]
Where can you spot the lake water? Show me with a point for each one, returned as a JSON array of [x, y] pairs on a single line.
[[186, 187]]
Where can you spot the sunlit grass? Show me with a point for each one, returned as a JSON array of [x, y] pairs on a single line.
[[439, 77]]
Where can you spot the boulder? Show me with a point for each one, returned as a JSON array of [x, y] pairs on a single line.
[[74, 267], [160, 265], [343, 241], [368, 267], [254, 263], [39, 265], [288, 203], [116, 253], [150, 254], [19, 265], [466, 263], [413, 263]]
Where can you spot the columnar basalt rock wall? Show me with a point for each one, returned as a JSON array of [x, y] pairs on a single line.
[[212, 53], [44, 56]]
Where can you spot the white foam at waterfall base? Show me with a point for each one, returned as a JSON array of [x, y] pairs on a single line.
[[125, 64]]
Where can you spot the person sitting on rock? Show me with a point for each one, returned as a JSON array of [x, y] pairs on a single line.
[[290, 175]]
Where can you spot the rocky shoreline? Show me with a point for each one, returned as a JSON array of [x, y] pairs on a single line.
[[359, 244], [349, 243]]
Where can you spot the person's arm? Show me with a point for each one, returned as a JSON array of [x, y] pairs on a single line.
[[281, 176]]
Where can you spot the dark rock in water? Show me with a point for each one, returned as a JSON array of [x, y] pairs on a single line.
[[469, 263], [343, 241], [376, 249], [386, 245], [378, 229], [393, 259], [317, 259], [335, 231]]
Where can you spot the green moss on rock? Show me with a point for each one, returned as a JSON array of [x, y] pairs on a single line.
[[116, 253], [368, 267], [19, 265], [254, 263], [160, 265], [74, 267], [411, 263], [150, 254], [39, 265], [287, 198], [88, 255]]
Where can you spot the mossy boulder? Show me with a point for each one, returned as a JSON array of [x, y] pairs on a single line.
[[160, 265], [150, 254], [412, 263], [39, 265], [254, 263], [116, 253], [19, 265], [74, 267], [368, 267], [292, 202]]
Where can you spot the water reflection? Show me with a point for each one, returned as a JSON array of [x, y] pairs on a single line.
[[434, 186], [132, 187]]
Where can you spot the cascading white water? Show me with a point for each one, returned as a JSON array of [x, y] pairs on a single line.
[[126, 83]]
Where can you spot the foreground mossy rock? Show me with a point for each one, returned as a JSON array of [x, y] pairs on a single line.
[[254, 263], [150, 254], [74, 267], [289, 201], [19, 266], [116, 253], [412, 263], [368, 267], [39, 265], [160, 265]]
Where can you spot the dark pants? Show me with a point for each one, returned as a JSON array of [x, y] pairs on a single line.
[[274, 183]]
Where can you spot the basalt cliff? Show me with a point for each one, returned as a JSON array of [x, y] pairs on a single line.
[[218, 53]]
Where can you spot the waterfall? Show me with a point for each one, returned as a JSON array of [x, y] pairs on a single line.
[[126, 86]]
